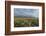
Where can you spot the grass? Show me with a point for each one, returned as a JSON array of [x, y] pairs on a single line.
[[25, 22]]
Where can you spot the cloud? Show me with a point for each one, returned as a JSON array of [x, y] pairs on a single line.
[[26, 12]]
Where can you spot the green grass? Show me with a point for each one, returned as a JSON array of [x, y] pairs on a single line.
[[26, 22]]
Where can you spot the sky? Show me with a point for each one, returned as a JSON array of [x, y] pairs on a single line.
[[26, 12]]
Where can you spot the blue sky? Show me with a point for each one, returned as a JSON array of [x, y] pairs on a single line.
[[26, 12]]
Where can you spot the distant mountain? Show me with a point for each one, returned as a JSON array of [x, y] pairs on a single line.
[[26, 17]]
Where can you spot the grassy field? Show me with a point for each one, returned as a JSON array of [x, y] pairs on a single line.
[[25, 22]]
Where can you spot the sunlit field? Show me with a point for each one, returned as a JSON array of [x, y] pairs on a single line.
[[25, 22]]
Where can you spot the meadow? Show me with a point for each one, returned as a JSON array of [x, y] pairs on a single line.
[[25, 22]]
